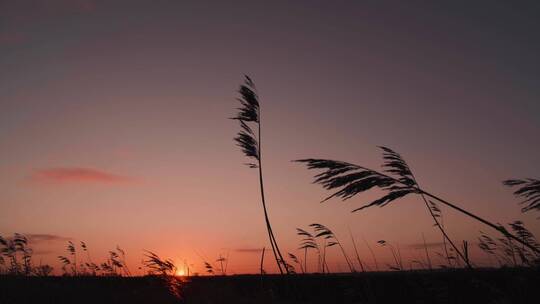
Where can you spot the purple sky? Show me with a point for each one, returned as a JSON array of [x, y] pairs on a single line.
[[114, 129]]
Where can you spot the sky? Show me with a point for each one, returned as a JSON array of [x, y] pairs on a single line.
[[114, 124]]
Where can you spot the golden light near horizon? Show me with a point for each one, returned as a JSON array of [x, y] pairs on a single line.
[[180, 272]]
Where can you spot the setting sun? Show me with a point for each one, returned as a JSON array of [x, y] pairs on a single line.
[[180, 272]]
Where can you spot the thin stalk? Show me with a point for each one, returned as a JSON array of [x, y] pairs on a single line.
[[443, 232], [438, 225], [393, 251], [351, 267], [305, 259], [372, 254], [499, 228], [277, 254], [227, 261], [324, 257], [75, 262], [301, 266], [221, 264], [447, 255], [262, 260], [319, 260], [399, 257], [356, 251], [427, 253]]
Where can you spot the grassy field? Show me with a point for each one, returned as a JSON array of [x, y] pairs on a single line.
[[458, 286]]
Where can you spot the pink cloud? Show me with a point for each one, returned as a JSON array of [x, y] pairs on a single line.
[[248, 250], [81, 175], [40, 238]]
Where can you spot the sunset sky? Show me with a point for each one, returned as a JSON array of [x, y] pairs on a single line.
[[114, 122]]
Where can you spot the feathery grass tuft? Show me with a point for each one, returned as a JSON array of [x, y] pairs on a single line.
[[157, 265], [348, 180], [326, 233], [250, 143], [527, 189]]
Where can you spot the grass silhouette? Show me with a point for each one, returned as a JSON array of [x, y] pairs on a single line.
[[348, 180], [527, 189], [250, 143], [515, 251]]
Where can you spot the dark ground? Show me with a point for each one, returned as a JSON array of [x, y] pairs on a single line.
[[479, 286]]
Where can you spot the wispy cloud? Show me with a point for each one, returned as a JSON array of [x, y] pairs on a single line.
[[428, 245], [81, 175], [42, 252], [41, 238], [249, 250]]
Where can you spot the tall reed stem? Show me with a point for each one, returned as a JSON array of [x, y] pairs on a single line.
[[275, 249]]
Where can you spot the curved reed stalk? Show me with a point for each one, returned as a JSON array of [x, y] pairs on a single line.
[[372, 254], [157, 265], [308, 242], [297, 261], [396, 254], [250, 143], [356, 251], [327, 234], [397, 180]]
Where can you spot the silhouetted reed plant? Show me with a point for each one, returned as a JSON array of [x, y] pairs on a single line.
[[115, 265], [209, 268], [309, 242], [360, 263], [16, 258], [223, 262], [297, 261], [164, 269], [527, 189], [507, 253], [249, 114], [397, 181], [331, 240], [396, 254], [159, 266]]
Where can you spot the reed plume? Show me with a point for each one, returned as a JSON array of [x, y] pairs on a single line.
[[297, 261], [157, 265], [527, 189], [397, 181], [249, 141], [327, 234], [308, 242]]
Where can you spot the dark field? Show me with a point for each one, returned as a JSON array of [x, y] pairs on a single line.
[[479, 286]]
